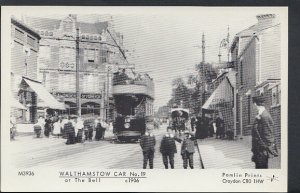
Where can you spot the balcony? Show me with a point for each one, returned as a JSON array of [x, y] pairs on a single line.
[[125, 85]]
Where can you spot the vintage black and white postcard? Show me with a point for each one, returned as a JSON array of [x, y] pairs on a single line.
[[144, 99]]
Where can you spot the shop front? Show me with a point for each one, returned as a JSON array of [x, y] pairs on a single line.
[[90, 103]]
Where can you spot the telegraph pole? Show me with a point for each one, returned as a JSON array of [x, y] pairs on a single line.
[[203, 48], [78, 94]]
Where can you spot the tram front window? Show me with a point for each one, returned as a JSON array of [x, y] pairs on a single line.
[[128, 105]]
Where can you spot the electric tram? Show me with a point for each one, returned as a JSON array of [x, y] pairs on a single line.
[[133, 112]]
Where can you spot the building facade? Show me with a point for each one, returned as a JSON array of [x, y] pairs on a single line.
[[256, 57], [24, 53], [99, 53]]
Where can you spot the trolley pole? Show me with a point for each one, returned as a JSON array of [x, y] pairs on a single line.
[[78, 94]]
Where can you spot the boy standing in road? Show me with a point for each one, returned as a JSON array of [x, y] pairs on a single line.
[[168, 149], [188, 150], [147, 144]]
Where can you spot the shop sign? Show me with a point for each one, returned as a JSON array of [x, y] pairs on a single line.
[[83, 95]]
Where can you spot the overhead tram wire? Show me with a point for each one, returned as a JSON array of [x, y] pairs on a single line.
[[120, 49]]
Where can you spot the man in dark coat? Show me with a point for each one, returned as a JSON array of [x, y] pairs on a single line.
[[47, 127], [199, 128], [69, 129], [220, 133], [147, 144], [168, 149], [262, 136], [193, 122], [188, 150]]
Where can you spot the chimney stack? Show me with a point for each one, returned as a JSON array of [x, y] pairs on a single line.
[[266, 19]]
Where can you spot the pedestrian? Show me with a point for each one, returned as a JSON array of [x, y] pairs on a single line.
[[79, 127], [147, 144], [220, 133], [188, 150], [57, 128], [193, 121], [70, 131], [99, 130], [168, 149], [47, 126], [40, 126], [62, 126], [104, 125], [210, 127], [199, 128], [263, 145]]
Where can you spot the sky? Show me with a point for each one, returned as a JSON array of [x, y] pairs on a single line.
[[166, 43]]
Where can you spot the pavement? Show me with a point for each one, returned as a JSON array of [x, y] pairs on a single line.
[[30, 152]]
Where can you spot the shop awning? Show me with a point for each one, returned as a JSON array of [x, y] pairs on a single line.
[[223, 94], [48, 100], [16, 104]]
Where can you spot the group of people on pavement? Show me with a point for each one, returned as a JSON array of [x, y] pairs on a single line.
[[74, 129], [168, 149], [205, 127]]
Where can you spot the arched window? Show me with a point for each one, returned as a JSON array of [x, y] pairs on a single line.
[[46, 33]]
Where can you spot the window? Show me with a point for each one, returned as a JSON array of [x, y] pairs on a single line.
[[276, 95], [241, 73], [87, 37], [83, 36], [42, 32], [89, 55], [51, 33], [90, 83], [46, 33], [31, 41], [44, 52], [19, 34], [99, 38], [103, 55], [67, 82]]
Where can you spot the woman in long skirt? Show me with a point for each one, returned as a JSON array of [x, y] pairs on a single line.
[[57, 128]]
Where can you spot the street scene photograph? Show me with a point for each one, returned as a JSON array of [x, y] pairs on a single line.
[[197, 90]]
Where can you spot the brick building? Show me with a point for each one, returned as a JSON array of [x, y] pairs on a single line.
[[255, 54], [57, 61]]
